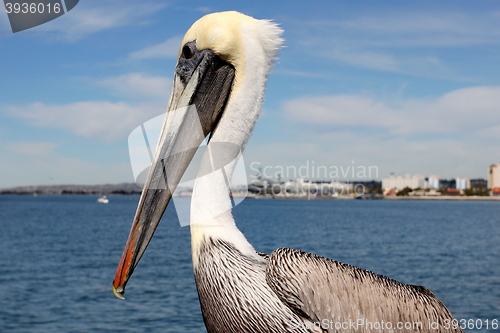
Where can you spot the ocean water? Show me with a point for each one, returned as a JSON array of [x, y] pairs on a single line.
[[58, 256]]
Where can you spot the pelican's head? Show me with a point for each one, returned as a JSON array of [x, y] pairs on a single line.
[[219, 83]]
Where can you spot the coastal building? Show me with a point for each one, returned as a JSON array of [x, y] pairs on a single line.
[[433, 182], [462, 183], [494, 178], [453, 192], [479, 184], [445, 184], [400, 182]]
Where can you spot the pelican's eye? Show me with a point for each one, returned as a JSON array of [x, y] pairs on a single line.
[[188, 50]]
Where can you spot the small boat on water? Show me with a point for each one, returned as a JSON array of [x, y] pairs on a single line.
[[103, 199]]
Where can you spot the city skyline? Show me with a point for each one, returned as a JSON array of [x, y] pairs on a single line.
[[408, 88]]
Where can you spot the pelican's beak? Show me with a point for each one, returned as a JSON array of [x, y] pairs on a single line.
[[201, 88]]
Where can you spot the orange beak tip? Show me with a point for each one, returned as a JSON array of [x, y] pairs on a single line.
[[118, 292]]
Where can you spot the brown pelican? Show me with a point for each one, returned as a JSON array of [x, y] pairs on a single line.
[[222, 69]]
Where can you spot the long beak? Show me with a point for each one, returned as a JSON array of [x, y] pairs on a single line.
[[202, 85]]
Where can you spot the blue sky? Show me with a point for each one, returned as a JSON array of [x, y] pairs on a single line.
[[406, 87]]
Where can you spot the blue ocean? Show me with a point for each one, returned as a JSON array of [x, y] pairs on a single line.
[[59, 255]]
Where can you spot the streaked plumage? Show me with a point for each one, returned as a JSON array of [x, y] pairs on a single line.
[[242, 290]]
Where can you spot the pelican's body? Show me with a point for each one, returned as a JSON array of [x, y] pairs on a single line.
[[223, 65]]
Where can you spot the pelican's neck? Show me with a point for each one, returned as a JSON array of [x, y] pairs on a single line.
[[258, 42], [211, 206]]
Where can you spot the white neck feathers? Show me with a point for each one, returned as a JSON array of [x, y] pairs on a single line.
[[211, 205]]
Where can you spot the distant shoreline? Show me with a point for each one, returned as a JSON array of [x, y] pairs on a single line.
[[107, 189], [445, 197], [134, 189], [393, 198]]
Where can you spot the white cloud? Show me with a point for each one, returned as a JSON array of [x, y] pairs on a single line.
[[338, 110], [346, 148], [25, 166], [102, 120], [386, 60], [305, 74], [414, 29], [491, 134], [166, 49], [204, 9], [463, 110], [373, 60], [398, 41], [97, 120], [32, 148], [91, 17], [452, 135], [139, 85]]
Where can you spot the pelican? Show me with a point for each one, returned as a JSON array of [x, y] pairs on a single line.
[[220, 77]]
